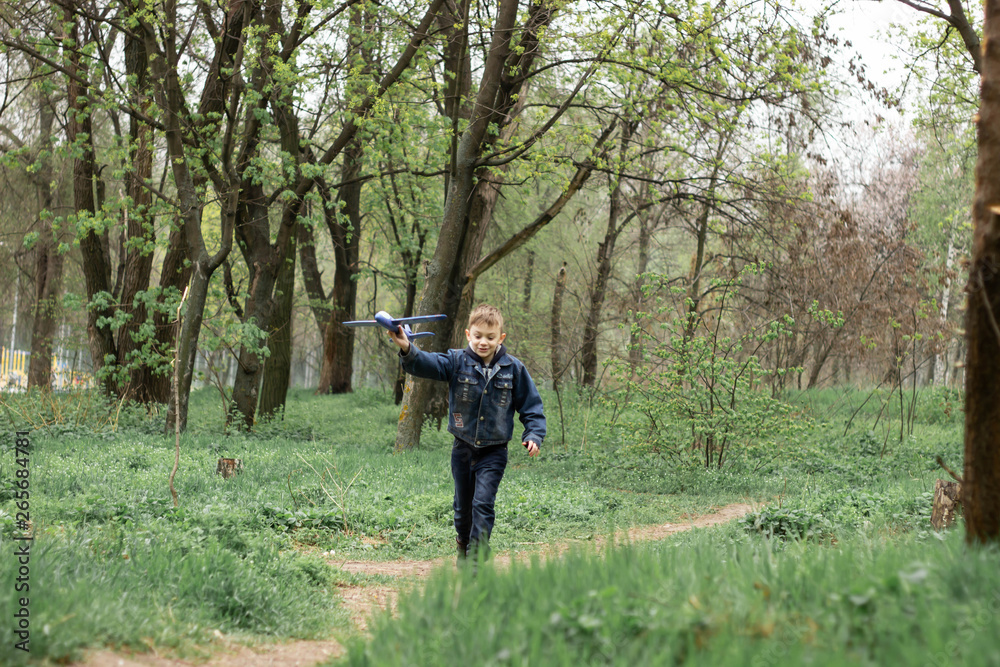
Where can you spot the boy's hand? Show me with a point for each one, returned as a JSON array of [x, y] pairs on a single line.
[[400, 339], [532, 447]]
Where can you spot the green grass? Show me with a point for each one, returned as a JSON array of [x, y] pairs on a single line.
[[115, 564], [152, 587], [710, 598], [838, 567]]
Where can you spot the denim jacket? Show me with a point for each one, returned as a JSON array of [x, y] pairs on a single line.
[[482, 401]]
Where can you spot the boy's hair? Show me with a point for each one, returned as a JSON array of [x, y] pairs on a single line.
[[486, 314]]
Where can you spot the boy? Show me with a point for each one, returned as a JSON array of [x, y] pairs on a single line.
[[486, 387]]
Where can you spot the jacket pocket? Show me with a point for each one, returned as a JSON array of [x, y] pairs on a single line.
[[502, 389], [465, 388]]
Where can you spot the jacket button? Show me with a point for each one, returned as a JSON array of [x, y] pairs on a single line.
[[479, 442], [482, 418]]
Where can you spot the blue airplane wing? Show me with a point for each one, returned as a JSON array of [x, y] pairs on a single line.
[[418, 318]]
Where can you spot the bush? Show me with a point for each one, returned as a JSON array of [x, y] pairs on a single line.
[[703, 395], [788, 523]]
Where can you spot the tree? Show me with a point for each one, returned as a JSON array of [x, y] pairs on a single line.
[[470, 198], [344, 224], [49, 259], [70, 45], [981, 486], [261, 254], [180, 127], [90, 228], [942, 214], [957, 20]]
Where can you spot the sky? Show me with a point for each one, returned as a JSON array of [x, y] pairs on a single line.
[[866, 24]]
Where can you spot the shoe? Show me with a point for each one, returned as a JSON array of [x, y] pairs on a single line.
[[479, 550], [463, 550]]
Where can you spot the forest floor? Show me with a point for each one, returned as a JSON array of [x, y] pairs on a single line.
[[364, 601]]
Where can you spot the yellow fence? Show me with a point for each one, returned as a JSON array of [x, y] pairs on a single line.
[[14, 372]]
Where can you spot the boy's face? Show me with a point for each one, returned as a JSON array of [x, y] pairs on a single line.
[[485, 340]]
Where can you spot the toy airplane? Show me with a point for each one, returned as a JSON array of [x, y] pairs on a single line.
[[387, 321]]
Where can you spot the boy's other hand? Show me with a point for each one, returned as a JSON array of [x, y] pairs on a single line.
[[400, 339], [532, 447]]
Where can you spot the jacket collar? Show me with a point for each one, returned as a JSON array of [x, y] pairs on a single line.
[[500, 358]]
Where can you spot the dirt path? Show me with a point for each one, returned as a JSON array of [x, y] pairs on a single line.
[[295, 654], [363, 601]]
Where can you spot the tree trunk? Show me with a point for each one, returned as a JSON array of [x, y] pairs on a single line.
[[981, 486], [278, 366], [694, 295], [262, 258], [48, 286], [518, 240], [635, 347], [598, 293], [411, 260], [453, 21], [338, 340], [187, 344], [701, 234], [510, 97], [822, 354], [139, 228], [260, 297], [947, 502], [939, 363], [556, 324], [605, 253], [344, 224], [170, 97], [312, 279], [175, 273], [49, 263], [529, 270], [96, 269]]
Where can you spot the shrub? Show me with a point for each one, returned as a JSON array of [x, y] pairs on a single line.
[[788, 523], [703, 399]]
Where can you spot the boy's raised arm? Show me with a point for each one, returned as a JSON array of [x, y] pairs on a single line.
[[400, 339], [429, 365]]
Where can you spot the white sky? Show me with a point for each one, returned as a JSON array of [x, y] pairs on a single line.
[[866, 24]]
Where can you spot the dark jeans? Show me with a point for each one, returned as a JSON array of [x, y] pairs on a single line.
[[477, 474]]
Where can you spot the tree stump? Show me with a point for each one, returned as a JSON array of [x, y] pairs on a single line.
[[947, 502], [228, 467]]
